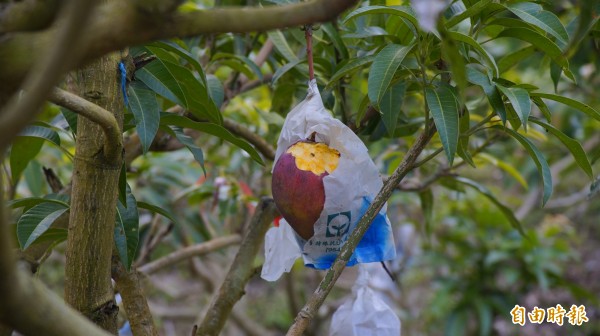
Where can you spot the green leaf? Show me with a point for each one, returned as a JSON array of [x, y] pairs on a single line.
[[463, 140], [545, 20], [444, 109], [212, 129], [572, 145], [157, 209], [426, 197], [514, 222], [280, 43], [146, 112], [470, 12], [215, 89], [179, 85], [30, 202], [53, 235], [504, 166], [23, 150], [336, 40], [35, 221], [284, 69], [510, 60], [480, 50], [390, 106], [41, 132], [71, 118], [538, 158], [188, 142], [384, 67], [542, 43], [177, 49], [249, 68], [570, 102], [353, 65], [489, 88], [543, 107], [401, 11], [456, 62], [520, 101], [126, 232], [123, 184]]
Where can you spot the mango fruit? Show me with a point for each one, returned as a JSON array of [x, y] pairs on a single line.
[[297, 183]]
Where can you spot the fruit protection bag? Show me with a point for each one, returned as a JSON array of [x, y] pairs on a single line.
[[364, 313], [349, 190]]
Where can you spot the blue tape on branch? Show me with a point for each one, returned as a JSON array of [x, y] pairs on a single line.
[[124, 82]]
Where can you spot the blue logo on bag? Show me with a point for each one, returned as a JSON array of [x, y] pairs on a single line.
[[338, 224]]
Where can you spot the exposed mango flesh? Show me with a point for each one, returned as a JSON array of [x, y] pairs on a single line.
[[315, 157]]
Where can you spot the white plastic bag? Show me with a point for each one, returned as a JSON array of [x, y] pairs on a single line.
[[364, 314], [349, 189]]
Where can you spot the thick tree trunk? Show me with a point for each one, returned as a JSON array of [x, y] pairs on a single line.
[[93, 201]]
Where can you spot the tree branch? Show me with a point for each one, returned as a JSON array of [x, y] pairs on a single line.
[[113, 144], [259, 143], [240, 271], [59, 56], [119, 24], [316, 300], [189, 252], [27, 305], [134, 299]]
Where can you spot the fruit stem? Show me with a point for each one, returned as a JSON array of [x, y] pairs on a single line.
[[309, 52]]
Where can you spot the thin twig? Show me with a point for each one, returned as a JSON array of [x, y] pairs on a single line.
[[113, 143], [309, 51], [316, 300], [188, 252], [241, 270]]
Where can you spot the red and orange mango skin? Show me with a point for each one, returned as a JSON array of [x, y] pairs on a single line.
[[297, 183]]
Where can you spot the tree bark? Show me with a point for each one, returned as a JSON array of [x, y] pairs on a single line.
[[93, 202]]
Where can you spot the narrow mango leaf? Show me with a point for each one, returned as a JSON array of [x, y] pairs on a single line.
[[519, 98], [23, 150], [71, 118], [370, 31], [30, 202], [212, 129], [157, 209], [188, 142], [572, 145], [470, 12], [215, 89], [489, 88], [123, 184], [514, 222], [180, 51], [250, 69], [510, 169], [464, 124], [284, 69], [41, 132], [401, 11], [570, 102], [35, 221], [391, 104], [539, 102], [384, 67], [336, 40], [127, 233], [480, 50], [280, 43], [353, 65], [542, 43], [53, 235], [537, 16], [456, 62], [179, 85], [538, 158], [146, 112], [426, 197], [444, 109], [510, 60]]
